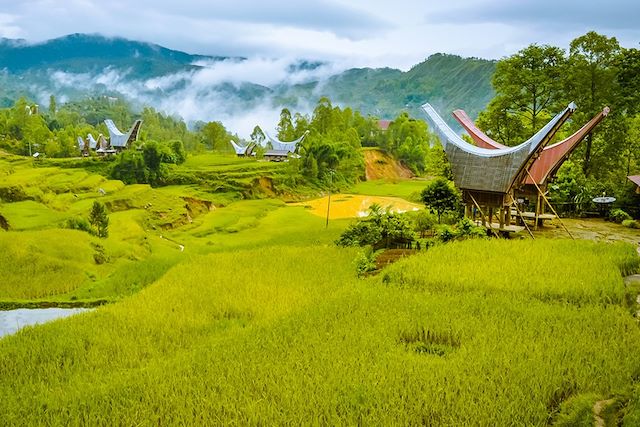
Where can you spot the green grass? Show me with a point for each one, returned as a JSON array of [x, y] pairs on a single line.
[[286, 335], [29, 215], [248, 314], [44, 263], [555, 274]]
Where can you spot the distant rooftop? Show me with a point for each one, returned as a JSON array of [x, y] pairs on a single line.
[[384, 124]]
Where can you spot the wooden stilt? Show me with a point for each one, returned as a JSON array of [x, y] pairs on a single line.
[[483, 217], [550, 207], [515, 204]]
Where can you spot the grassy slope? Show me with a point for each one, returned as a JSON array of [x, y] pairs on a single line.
[[260, 319], [61, 261], [288, 335], [147, 226]]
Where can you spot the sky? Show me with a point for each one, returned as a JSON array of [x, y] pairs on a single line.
[[375, 33], [273, 34]]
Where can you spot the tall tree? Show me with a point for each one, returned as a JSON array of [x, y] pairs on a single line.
[[257, 136], [500, 124], [215, 136], [52, 106], [99, 219], [529, 83], [441, 196], [592, 82], [628, 65], [323, 120], [286, 131]]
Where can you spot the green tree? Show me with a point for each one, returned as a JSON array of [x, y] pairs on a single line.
[[323, 117], [592, 82], [441, 196], [99, 219], [628, 66], [631, 153], [155, 156], [331, 145], [257, 135], [179, 153], [216, 136], [52, 106], [130, 168], [286, 131], [529, 83], [500, 124]]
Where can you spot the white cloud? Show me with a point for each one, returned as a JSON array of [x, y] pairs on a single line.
[[272, 33], [8, 26], [202, 94], [357, 32]]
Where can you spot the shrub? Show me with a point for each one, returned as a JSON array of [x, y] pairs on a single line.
[[445, 233], [14, 193], [99, 256], [78, 223], [379, 229], [618, 216], [466, 229], [365, 262], [631, 223]]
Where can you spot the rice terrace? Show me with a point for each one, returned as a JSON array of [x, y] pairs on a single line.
[[453, 244]]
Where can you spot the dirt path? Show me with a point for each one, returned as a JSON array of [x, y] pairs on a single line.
[[181, 247], [590, 229], [598, 407]]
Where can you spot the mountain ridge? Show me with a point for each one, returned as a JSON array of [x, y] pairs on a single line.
[[79, 65]]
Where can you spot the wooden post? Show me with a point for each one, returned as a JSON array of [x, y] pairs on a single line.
[[482, 215], [515, 204], [550, 207]]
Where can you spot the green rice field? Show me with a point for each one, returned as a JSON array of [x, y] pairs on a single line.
[[222, 311]]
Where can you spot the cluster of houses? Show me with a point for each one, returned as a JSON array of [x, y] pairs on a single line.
[[118, 141], [493, 177], [276, 150]]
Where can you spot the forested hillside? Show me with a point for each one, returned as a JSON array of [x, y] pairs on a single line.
[[77, 66]]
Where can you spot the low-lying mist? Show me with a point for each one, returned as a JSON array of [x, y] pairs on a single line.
[[240, 93]]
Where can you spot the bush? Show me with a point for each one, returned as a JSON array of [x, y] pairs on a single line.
[[445, 233], [631, 223], [79, 223], [99, 256], [361, 233], [466, 229], [379, 229], [365, 262], [14, 193], [618, 216]]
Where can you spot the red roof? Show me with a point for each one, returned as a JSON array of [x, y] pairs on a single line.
[[635, 179], [384, 124]]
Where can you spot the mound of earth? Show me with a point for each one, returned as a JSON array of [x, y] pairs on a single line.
[[380, 165]]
